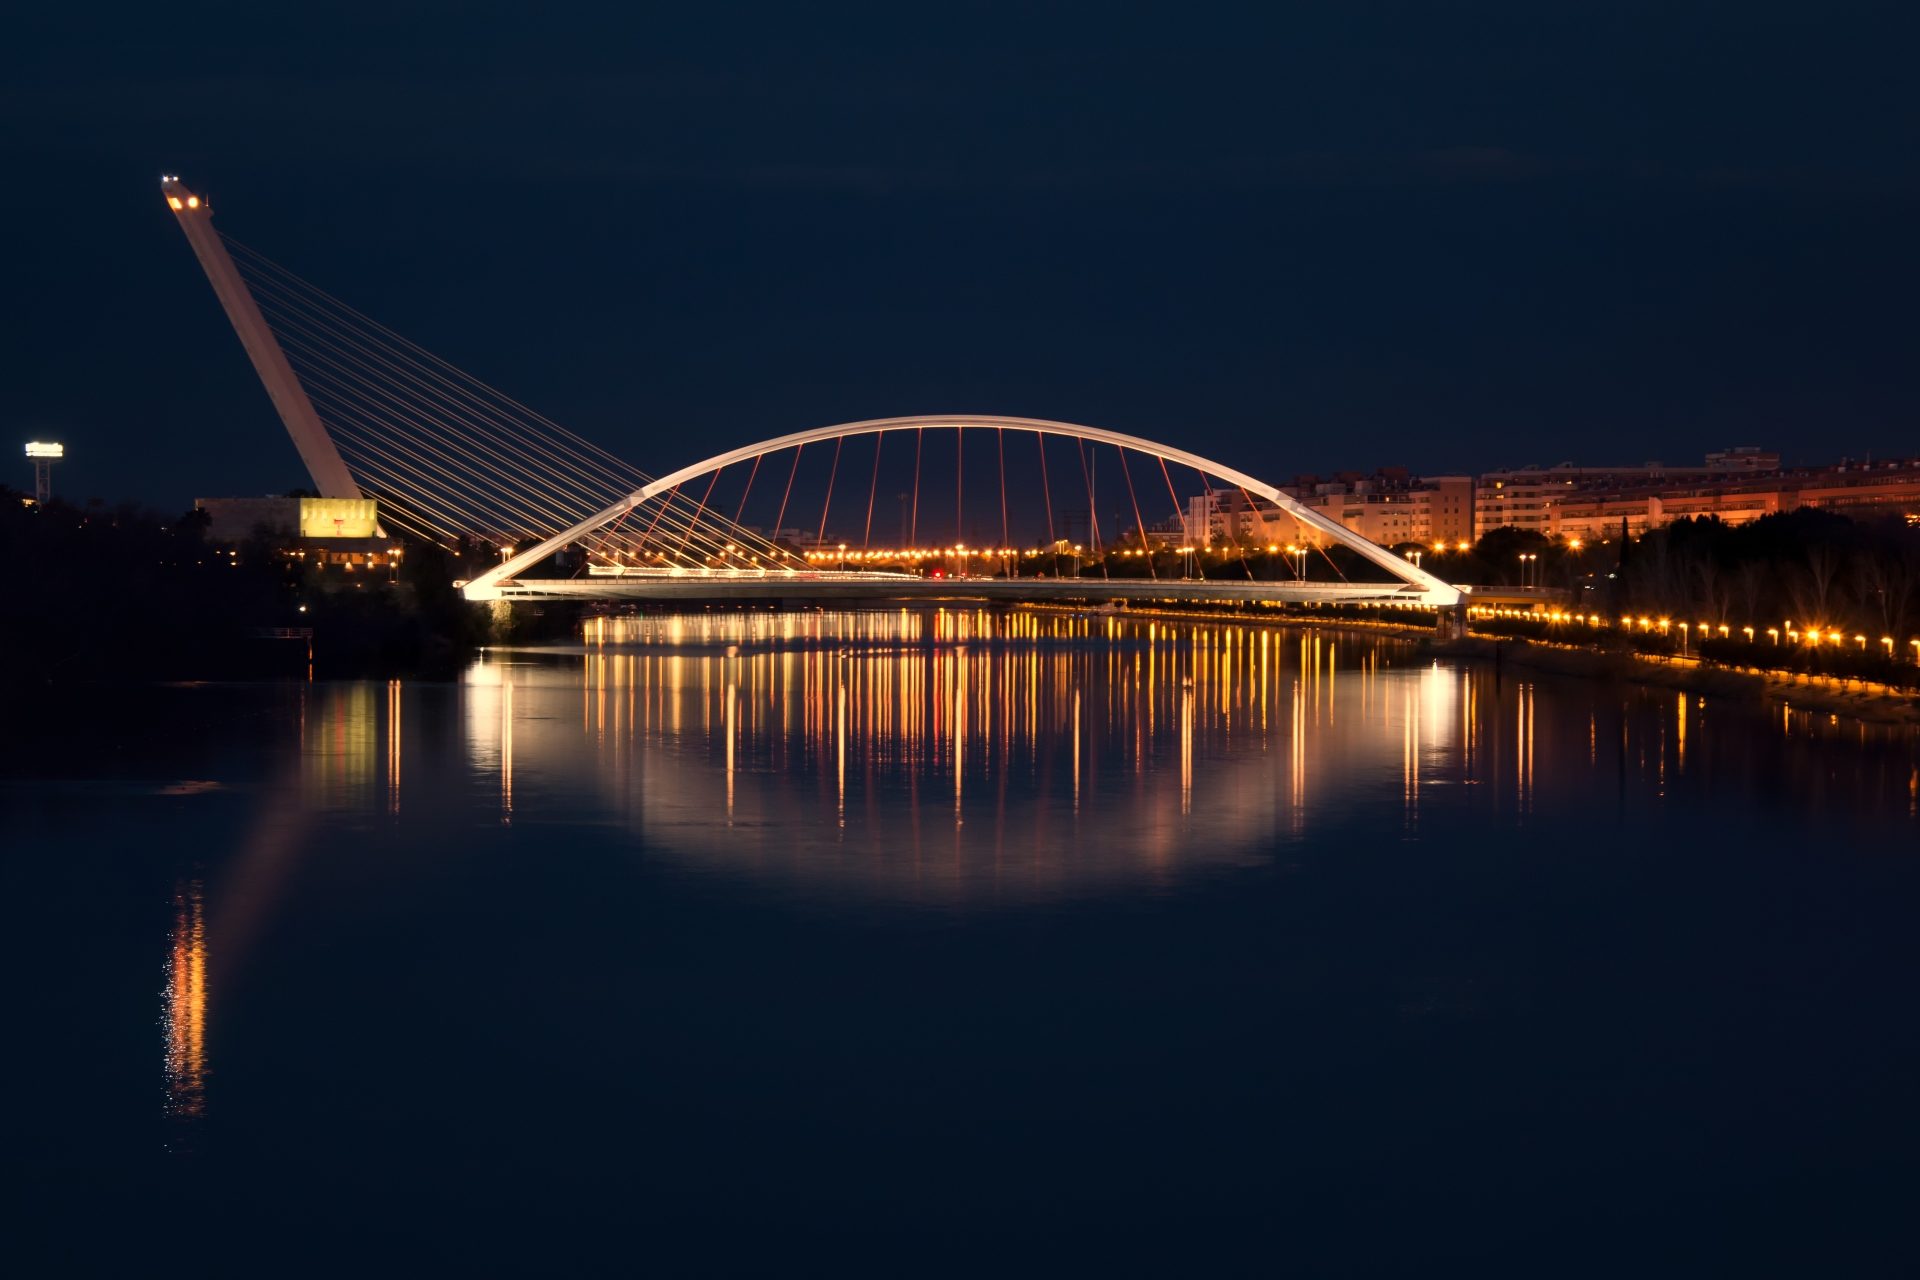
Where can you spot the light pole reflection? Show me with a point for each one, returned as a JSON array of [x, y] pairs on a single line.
[[992, 725], [184, 1011]]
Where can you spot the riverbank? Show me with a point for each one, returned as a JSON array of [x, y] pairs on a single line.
[[1863, 700], [1860, 699]]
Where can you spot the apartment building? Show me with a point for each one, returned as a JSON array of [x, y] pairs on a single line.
[[1734, 486], [1388, 506]]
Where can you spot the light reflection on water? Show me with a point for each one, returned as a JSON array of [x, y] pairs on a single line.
[[974, 763], [959, 757], [184, 1006], [937, 754], [954, 754]]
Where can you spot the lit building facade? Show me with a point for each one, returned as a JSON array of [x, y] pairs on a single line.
[[330, 533], [1735, 486]]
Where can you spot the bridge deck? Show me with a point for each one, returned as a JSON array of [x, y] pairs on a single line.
[[888, 586]]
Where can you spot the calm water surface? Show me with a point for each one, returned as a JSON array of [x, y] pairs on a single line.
[[947, 941]]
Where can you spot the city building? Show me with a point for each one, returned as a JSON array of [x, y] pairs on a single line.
[[1443, 510], [341, 534], [1734, 486], [1388, 506], [1234, 517]]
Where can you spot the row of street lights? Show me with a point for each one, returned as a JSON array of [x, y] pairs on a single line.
[[1703, 630]]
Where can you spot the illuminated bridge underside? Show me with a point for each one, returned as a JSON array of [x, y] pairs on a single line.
[[1409, 584], [901, 586]]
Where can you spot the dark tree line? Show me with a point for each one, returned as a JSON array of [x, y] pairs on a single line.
[[1800, 569], [122, 592], [1770, 584]]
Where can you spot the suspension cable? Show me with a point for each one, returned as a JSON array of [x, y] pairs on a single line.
[[1046, 493], [873, 488], [821, 534], [1000, 443], [782, 517], [913, 532], [1145, 550]]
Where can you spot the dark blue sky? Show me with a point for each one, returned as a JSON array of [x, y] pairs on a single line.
[[1293, 237]]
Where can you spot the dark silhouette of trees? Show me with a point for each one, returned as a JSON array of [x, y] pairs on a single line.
[[99, 592], [1799, 569]]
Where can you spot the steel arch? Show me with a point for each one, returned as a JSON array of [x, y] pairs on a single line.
[[1435, 591]]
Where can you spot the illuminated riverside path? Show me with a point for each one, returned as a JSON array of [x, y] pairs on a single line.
[[882, 927]]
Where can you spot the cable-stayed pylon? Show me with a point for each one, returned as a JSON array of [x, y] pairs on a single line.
[[447, 455]]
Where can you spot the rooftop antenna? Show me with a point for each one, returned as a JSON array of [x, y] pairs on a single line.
[[331, 478]]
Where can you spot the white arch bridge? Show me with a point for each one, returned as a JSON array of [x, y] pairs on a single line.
[[451, 460], [631, 564]]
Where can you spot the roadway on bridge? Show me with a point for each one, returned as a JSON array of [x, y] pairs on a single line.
[[744, 587]]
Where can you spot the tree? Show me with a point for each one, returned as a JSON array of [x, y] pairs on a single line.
[[194, 524], [1812, 584]]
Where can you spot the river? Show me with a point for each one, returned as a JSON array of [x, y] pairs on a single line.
[[944, 940]]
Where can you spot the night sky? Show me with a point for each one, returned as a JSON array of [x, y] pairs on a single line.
[[1450, 236]]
